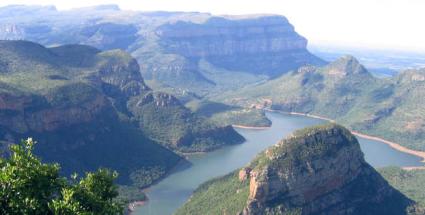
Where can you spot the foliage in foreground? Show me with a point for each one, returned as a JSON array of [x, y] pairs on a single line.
[[28, 186]]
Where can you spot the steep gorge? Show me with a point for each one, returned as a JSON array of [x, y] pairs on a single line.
[[317, 170]]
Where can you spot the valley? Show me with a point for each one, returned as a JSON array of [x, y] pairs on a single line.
[[76, 99], [202, 113], [346, 92], [178, 187]]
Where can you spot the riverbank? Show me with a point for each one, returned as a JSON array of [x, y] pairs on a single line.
[[409, 168], [168, 195], [251, 127], [182, 163], [396, 146], [393, 145]]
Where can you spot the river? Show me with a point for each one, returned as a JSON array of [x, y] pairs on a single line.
[[169, 194]]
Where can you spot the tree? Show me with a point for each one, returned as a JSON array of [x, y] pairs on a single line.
[[28, 186]]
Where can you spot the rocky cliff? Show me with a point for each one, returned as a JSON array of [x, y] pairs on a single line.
[[77, 101], [172, 47], [318, 170], [58, 97], [226, 36], [260, 44]]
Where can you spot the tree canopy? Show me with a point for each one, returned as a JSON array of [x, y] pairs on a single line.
[[29, 186]]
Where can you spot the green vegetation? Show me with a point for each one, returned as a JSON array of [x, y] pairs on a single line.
[[288, 178], [223, 114], [177, 128], [144, 177], [303, 147], [74, 99], [28, 186], [346, 92], [409, 182], [90, 108], [167, 58], [244, 117], [225, 195], [128, 194]]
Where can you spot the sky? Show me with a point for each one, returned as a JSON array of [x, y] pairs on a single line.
[[374, 24]]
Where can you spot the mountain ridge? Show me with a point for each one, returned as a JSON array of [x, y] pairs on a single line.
[[346, 92], [76, 99], [168, 60]]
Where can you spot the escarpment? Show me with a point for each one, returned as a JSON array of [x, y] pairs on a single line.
[[177, 51], [262, 45], [89, 108]]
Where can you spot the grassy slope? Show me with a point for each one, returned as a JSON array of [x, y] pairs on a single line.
[[225, 195], [409, 182], [223, 114]]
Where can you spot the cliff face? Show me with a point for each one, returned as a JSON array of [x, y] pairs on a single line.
[[89, 108], [172, 48], [11, 32], [261, 45], [25, 113], [317, 170], [222, 36], [71, 99]]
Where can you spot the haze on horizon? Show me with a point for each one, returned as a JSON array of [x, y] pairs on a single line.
[[373, 24]]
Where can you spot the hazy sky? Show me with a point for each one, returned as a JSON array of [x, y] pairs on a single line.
[[394, 24]]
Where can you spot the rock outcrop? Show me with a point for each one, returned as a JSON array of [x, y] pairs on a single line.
[[318, 170]]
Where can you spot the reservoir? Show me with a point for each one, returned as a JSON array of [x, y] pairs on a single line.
[[169, 194]]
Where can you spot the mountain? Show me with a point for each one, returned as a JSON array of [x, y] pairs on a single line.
[[89, 108], [318, 170], [190, 55], [346, 92], [55, 96], [261, 45]]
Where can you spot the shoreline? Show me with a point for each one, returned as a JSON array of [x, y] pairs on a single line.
[[410, 168], [394, 145], [251, 127], [132, 206]]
